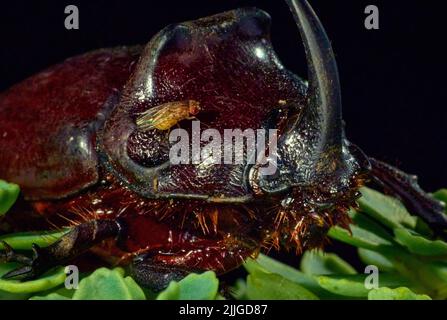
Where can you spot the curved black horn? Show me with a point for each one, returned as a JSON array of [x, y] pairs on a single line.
[[324, 86]]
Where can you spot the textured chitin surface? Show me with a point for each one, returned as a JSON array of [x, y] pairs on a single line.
[[187, 234], [227, 64], [48, 122]]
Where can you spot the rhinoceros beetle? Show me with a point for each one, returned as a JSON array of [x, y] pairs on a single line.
[[69, 138]]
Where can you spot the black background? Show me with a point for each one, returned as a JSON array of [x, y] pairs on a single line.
[[393, 79]]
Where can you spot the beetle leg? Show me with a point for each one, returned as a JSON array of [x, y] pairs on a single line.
[[406, 187], [156, 275], [155, 270], [78, 240], [10, 256]]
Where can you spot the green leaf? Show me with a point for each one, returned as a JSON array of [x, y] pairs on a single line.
[[269, 286], [239, 290], [13, 296], [45, 282], [4, 295], [25, 240], [8, 195], [374, 258], [61, 293], [365, 233], [317, 262], [354, 285], [420, 245], [172, 292], [395, 294], [423, 228], [442, 195], [106, 284], [193, 287], [365, 222], [51, 296], [428, 276], [356, 240], [358, 237], [268, 265], [389, 211]]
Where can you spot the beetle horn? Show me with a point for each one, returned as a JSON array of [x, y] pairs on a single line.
[[324, 96]]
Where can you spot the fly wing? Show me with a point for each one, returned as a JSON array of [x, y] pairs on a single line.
[[153, 117]]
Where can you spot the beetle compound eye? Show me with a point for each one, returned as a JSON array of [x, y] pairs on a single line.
[[148, 149]]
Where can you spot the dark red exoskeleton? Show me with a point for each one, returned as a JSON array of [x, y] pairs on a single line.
[[69, 138]]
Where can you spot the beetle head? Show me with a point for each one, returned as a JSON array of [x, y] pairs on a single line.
[[227, 64]]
